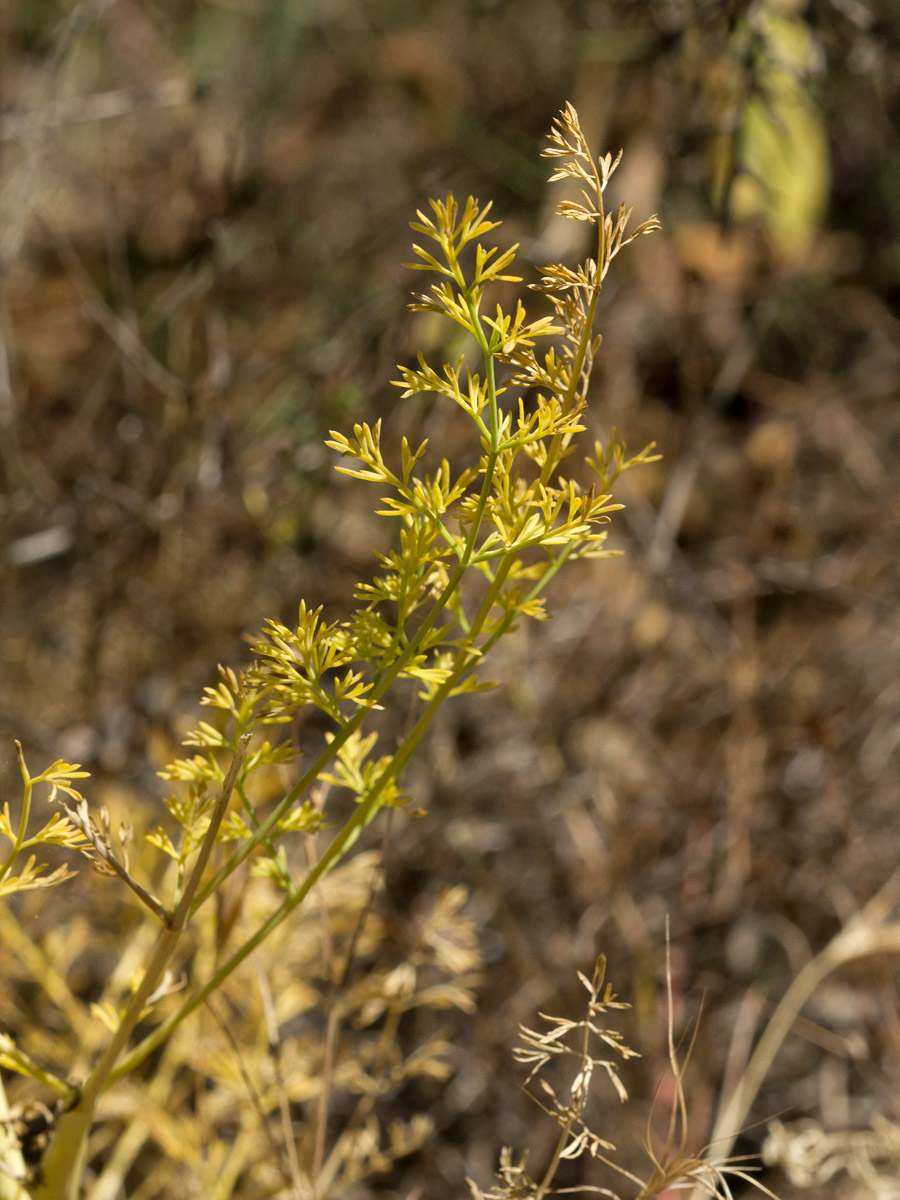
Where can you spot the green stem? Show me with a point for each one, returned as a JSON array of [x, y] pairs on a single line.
[[384, 678], [26, 813], [465, 662], [24, 1064], [297, 895], [63, 1163]]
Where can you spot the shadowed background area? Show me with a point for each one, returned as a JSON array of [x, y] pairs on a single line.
[[204, 210]]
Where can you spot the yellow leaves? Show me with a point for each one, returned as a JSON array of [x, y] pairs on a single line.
[[431, 496], [110, 1016], [301, 818], [366, 446], [485, 270], [431, 674], [548, 517], [513, 332], [409, 458], [430, 263], [59, 775], [507, 516], [577, 212], [556, 277], [350, 686], [294, 664], [161, 840], [615, 228], [424, 622], [354, 770], [224, 694], [58, 831], [459, 306], [236, 696], [609, 461], [473, 400], [607, 165], [31, 876], [197, 769], [566, 141], [107, 1015], [450, 229], [205, 735], [547, 421], [267, 755]]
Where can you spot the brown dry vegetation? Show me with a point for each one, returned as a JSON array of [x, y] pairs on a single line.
[[203, 211]]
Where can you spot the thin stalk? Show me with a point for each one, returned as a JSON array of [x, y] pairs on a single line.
[[563, 1139], [734, 1113], [331, 1029], [284, 1108], [486, 487], [24, 1064], [63, 1163], [342, 841], [331, 1036], [868, 933], [329, 1170], [588, 331], [27, 792], [295, 897], [385, 678], [79, 817], [329, 752]]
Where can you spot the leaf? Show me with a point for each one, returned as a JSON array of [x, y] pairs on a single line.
[[161, 840], [32, 877]]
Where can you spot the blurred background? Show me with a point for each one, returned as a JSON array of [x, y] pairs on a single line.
[[204, 209]]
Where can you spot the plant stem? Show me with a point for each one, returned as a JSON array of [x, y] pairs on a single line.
[[63, 1162], [587, 332], [867, 933], [26, 813], [342, 842], [385, 678]]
